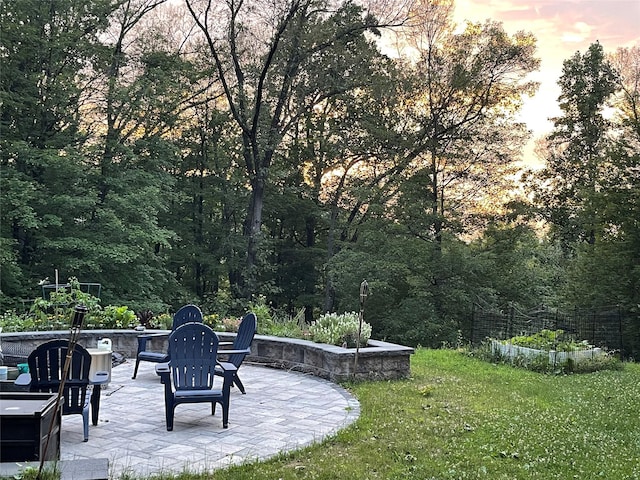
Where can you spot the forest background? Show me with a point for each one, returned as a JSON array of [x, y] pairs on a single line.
[[225, 152]]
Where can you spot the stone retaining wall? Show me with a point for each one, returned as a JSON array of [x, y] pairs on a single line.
[[377, 361]]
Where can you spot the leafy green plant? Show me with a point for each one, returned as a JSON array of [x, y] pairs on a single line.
[[285, 326], [548, 340], [62, 301], [262, 311], [271, 322], [162, 321], [14, 322], [45, 315], [340, 329], [145, 318], [118, 317], [212, 320], [548, 351], [30, 472]]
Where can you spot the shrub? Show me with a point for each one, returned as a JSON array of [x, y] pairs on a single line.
[[164, 321], [230, 324], [14, 322], [263, 313], [145, 317], [118, 317], [211, 320], [341, 330], [55, 312], [282, 325]]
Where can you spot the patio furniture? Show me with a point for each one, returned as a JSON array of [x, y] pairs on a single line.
[[46, 365], [186, 314], [189, 376], [26, 424], [240, 348]]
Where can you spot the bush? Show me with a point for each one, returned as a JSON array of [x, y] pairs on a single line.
[[118, 317], [229, 324], [341, 330], [56, 314], [164, 321]]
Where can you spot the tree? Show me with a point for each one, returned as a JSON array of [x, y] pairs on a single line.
[[332, 162], [263, 54], [589, 190], [515, 266], [45, 48], [612, 258], [463, 137], [577, 161], [458, 144]]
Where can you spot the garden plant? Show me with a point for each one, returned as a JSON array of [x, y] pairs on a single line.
[[550, 351], [53, 314]]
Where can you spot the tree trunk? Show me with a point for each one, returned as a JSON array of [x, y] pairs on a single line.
[[329, 292], [252, 233]]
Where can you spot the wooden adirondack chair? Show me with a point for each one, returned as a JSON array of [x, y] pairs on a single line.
[[186, 314], [46, 365], [189, 376], [240, 348]]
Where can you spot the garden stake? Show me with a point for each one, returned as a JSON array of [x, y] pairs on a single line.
[[76, 326], [364, 291]]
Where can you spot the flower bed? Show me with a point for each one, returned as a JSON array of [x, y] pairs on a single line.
[[376, 361]]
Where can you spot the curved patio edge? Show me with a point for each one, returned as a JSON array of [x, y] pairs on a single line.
[[377, 361]]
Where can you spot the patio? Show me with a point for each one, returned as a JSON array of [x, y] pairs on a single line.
[[281, 411]]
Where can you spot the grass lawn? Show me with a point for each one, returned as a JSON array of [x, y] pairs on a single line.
[[462, 418]]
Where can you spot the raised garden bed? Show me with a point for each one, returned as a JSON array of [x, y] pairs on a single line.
[[376, 361], [511, 352]]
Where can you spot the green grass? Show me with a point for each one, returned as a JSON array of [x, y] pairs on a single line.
[[462, 418]]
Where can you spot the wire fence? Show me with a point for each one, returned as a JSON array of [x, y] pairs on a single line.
[[610, 327]]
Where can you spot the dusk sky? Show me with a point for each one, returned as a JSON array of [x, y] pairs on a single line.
[[562, 28]]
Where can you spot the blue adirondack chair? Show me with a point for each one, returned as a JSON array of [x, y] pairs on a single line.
[[186, 314], [46, 367], [189, 376], [240, 348]]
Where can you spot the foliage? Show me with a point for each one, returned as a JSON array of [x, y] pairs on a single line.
[[407, 302], [515, 264], [262, 310], [30, 472], [118, 317], [547, 340], [340, 329], [162, 321], [577, 162], [461, 126], [57, 310], [10, 321], [557, 342], [288, 326], [314, 55], [458, 417], [278, 324], [617, 201]]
